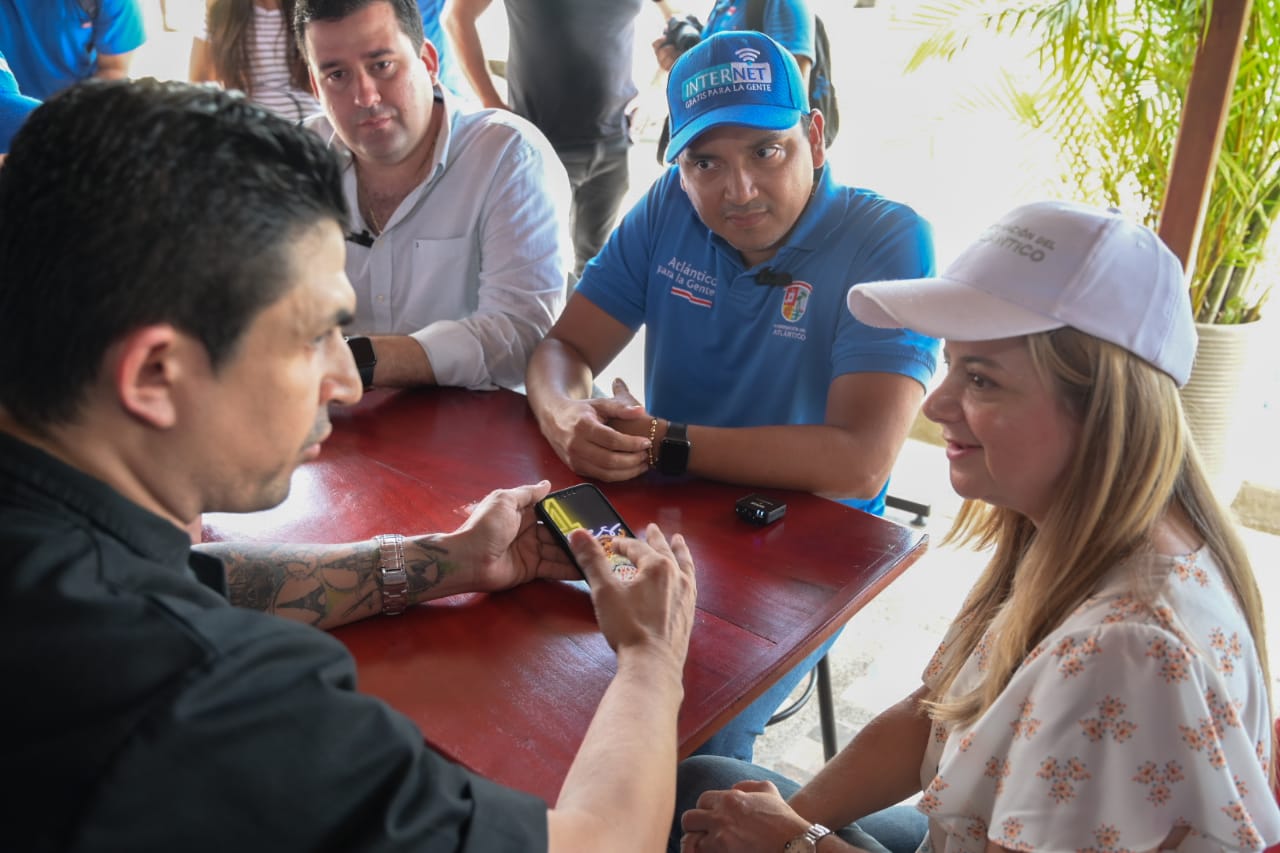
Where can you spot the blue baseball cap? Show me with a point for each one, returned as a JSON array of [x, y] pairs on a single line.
[[734, 77], [14, 106]]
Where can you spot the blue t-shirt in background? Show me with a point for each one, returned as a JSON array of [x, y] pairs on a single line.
[[724, 350], [14, 106], [788, 22], [51, 44], [450, 73]]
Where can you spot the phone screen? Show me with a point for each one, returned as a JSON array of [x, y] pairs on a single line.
[[585, 506]]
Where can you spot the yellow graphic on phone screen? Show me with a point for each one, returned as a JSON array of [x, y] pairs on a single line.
[[562, 515]]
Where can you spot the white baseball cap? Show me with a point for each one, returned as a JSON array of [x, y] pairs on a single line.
[[1044, 266]]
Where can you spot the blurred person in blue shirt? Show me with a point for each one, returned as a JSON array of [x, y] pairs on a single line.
[[51, 44], [450, 73], [14, 107]]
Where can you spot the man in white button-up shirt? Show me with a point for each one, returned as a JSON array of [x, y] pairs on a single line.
[[459, 243]]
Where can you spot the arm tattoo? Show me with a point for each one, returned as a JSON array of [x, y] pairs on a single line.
[[306, 583], [426, 566]]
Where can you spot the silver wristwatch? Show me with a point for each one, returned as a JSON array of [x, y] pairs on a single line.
[[807, 841], [393, 580]]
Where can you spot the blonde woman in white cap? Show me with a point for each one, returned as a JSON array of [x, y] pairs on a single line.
[[1105, 685]]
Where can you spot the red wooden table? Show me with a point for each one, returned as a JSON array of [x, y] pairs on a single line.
[[507, 683]]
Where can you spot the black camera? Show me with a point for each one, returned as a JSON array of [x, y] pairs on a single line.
[[682, 33]]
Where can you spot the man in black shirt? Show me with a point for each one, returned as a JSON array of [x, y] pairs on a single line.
[[170, 340]]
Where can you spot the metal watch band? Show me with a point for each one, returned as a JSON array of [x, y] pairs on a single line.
[[807, 840], [393, 580]]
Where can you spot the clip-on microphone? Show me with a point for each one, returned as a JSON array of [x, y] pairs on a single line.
[[364, 238], [771, 278]]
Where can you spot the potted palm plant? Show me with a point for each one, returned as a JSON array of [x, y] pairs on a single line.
[[1110, 92]]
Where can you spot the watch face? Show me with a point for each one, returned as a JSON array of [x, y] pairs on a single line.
[[674, 456], [362, 351], [366, 359]]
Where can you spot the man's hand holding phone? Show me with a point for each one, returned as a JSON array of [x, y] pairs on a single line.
[[502, 543], [652, 609], [643, 589], [585, 506]]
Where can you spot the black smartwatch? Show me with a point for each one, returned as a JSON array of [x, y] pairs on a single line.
[[362, 352], [673, 455]]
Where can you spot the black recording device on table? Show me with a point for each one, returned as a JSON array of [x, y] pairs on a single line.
[[682, 33], [760, 509], [585, 507]]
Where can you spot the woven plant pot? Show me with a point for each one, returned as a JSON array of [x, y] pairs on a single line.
[[1217, 401]]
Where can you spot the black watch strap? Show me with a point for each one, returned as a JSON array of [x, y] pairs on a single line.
[[673, 455], [366, 358]]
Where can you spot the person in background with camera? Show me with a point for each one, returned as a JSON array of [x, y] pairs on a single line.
[[156, 714], [556, 47], [736, 262], [51, 44], [788, 22], [458, 246], [1105, 684]]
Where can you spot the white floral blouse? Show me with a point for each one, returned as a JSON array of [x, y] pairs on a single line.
[[1127, 721]]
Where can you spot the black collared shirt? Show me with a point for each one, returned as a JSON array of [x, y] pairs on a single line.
[[143, 712]]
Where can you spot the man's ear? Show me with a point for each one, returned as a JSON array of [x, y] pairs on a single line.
[[817, 142], [431, 59], [148, 364]]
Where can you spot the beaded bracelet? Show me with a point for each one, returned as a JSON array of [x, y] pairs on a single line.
[[653, 431]]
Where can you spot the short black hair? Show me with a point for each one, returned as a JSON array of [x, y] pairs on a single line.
[[129, 203], [407, 12]]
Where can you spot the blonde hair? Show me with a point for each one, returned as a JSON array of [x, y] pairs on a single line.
[[1134, 462]]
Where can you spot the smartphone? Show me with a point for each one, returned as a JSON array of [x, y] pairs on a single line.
[[585, 506]]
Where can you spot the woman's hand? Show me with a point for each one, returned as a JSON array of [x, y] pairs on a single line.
[[750, 816]]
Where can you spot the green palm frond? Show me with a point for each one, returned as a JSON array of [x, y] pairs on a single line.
[[1114, 78]]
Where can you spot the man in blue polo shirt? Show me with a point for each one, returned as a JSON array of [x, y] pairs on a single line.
[[51, 44], [737, 263]]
